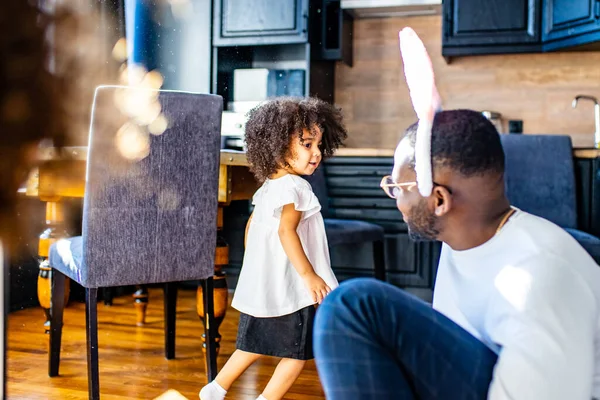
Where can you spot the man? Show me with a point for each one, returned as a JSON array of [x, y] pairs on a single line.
[[516, 302]]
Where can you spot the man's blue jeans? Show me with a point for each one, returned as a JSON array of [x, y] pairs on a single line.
[[375, 341]]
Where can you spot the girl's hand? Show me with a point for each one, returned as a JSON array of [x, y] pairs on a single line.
[[288, 234], [316, 286]]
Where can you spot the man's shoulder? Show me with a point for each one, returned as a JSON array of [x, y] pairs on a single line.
[[542, 248], [539, 234], [525, 219], [529, 240]]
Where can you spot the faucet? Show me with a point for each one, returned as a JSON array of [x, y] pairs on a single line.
[[596, 115]]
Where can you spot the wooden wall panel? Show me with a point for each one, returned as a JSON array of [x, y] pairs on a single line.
[[536, 88]]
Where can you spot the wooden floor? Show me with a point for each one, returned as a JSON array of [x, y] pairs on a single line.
[[132, 363]]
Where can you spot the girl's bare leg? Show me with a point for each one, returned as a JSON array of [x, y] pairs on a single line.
[[235, 366], [286, 373]]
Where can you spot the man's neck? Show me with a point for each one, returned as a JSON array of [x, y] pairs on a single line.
[[475, 227]]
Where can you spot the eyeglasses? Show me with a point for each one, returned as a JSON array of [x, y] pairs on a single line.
[[393, 189]]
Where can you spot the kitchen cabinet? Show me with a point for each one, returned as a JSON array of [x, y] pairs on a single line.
[[498, 23], [295, 36], [587, 179], [330, 32], [470, 27], [568, 23], [501, 26], [255, 22]]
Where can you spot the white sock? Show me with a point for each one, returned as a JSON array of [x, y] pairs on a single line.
[[212, 391], [261, 397]]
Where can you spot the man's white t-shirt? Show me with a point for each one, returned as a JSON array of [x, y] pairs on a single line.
[[532, 295], [269, 286]]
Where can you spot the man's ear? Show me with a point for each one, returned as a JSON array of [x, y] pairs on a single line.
[[442, 200]]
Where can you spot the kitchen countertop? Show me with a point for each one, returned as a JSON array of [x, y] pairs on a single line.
[[586, 152], [367, 152], [364, 152]]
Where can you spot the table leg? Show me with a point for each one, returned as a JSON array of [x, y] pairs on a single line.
[[140, 302], [54, 231], [220, 287]]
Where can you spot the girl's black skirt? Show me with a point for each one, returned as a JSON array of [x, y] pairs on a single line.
[[288, 336]]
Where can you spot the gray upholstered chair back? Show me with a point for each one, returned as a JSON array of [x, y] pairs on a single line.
[[540, 176], [152, 218]]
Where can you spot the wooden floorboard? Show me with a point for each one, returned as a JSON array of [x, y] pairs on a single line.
[[132, 363]]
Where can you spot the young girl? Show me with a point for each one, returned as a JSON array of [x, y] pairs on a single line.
[[286, 268]]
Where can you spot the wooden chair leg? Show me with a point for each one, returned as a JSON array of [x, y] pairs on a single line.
[[170, 294], [108, 296], [57, 305], [91, 330], [210, 328], [140, 303], [379, 260]]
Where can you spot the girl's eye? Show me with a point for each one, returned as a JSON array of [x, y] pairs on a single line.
[[307, 145]]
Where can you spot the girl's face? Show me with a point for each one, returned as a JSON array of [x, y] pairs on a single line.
[[305, 153]]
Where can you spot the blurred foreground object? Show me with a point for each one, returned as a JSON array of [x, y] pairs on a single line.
[[171, 394]]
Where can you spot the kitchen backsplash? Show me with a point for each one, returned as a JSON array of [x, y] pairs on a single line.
[[535, 88]]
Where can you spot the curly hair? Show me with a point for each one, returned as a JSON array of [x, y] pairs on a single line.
[[465, 141], [272, 126]]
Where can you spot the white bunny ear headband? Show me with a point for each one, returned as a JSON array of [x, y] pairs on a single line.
[[426, 102]]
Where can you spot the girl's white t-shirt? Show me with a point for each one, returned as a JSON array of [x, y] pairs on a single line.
[[269, 286]]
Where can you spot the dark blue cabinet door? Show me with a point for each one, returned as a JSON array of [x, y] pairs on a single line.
[[251, 22], [587, 180], [570, 22], [490, 22]]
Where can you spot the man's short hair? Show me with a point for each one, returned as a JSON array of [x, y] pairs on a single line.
[[465, 141]]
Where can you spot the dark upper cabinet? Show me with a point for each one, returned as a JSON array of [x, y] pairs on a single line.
[[472, 27], [587, 186], [568, 23], [330, 32], [256, 22], [493, 26]]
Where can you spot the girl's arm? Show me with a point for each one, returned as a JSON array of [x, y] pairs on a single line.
[[288, 224]]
